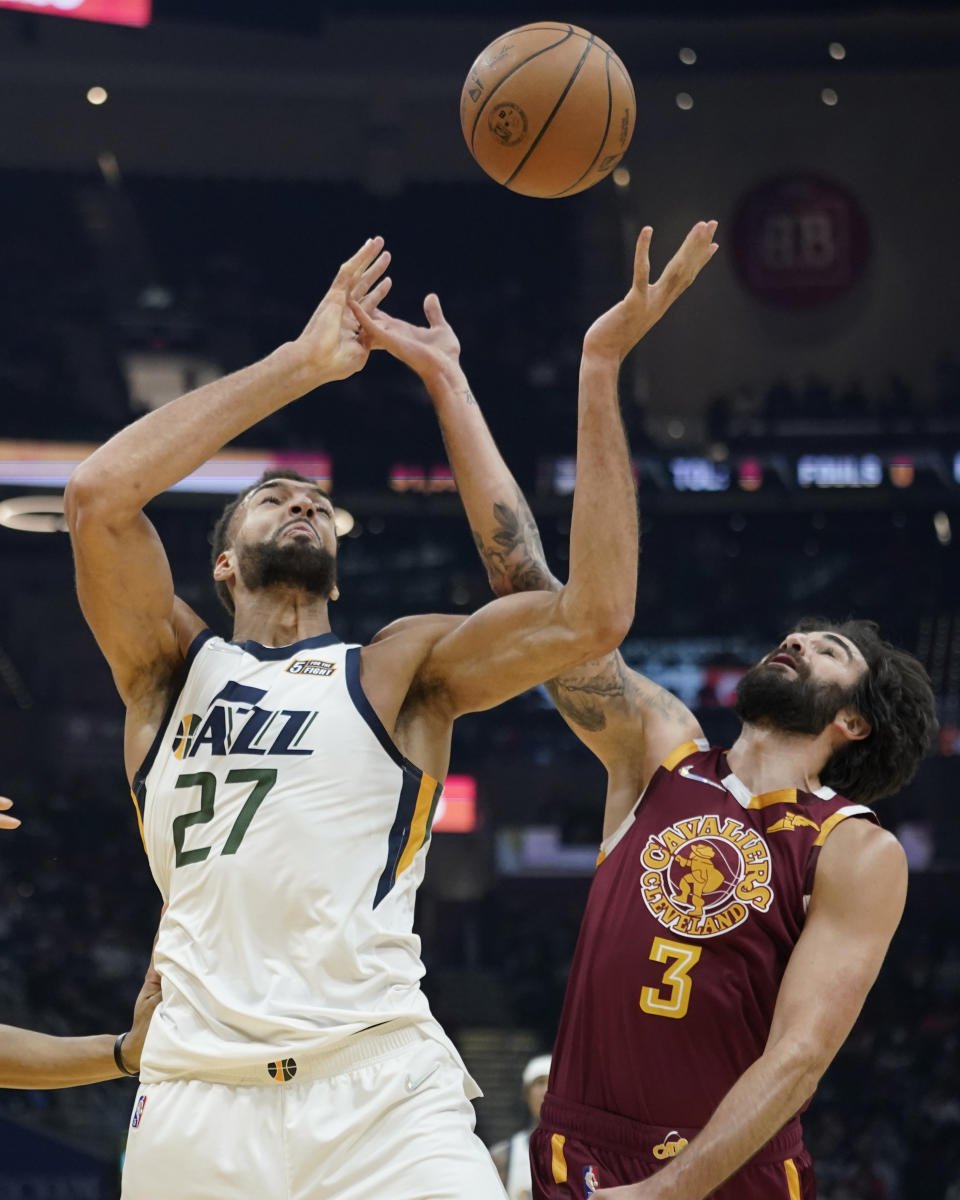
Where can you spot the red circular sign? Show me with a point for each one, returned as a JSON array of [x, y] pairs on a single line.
[[800, 240]]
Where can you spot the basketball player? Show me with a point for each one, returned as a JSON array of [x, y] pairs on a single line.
[[33, 1060], [743, 901], [287, 784]]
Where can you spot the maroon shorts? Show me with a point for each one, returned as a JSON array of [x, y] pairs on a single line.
[[577, 1150]]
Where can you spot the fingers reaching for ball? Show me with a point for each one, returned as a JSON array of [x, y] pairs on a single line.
[[365, 288], [430, 350], [358, 265], [695, 252], [641, 257], [614, 334], [432, 311], [7, 822]]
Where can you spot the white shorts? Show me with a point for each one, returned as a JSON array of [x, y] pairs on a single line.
[[386, 1119]]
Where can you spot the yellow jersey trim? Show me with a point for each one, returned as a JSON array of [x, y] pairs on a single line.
[[793, 1179], [783, 796], [136, 809], [676, 757], [419, 826], [830, 824], [558, 1162]]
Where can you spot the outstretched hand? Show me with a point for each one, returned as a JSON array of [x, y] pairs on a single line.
[[7, 822], [428, 350], [615, 333], [331, 343]]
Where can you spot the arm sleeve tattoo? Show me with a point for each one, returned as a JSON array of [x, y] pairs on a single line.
[[514, 556]]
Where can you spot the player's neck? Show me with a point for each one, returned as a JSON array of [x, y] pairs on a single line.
[[279, 616], [767, 759]]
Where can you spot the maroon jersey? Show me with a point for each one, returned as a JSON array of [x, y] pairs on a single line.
[[698, 901]]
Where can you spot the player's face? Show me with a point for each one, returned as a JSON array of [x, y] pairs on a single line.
[[801, 685], [285, 535], [822, 655]]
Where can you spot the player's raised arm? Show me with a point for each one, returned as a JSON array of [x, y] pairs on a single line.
[[858, 897], [123, 577], [527, 637], [605, 703], [500, 519]]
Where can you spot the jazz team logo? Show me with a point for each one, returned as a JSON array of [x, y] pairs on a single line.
[[183, 739], [702, 876], [237, 722], [283, 1070]]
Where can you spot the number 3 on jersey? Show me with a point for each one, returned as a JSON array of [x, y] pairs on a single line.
[[263, 781], [677, 977]]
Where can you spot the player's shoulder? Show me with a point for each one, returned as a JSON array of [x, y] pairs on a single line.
[[405, 645], [864, 842], [187, 626], [423, 628], [861, 878]]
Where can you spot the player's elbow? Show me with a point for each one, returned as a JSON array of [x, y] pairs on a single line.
[[601, 631], [802, 1061], [601, 616], [80, 497], [89, 498]]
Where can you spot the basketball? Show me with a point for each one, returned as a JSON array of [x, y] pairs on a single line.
[[547, 109]]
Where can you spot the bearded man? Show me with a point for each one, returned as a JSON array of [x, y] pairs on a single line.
[[287, 782], [743, 900]]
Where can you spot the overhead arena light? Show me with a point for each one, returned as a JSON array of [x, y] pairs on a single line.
[[50, 464], [34, 514], [343, 521]]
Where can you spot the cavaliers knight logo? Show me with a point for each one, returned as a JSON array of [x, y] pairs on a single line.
[[703, 877]]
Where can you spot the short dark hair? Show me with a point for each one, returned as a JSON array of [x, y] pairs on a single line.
[[220, 534], [895, 697]]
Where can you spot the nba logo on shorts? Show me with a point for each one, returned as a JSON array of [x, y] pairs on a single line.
[[591, 1181], [138, 1111]]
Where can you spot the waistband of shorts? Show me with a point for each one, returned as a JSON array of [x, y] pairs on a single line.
[[358, 1050], [651, 1143]]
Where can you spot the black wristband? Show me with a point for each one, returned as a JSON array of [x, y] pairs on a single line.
[[118, 1056]]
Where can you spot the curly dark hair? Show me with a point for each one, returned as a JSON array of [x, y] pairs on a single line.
[[220, 534], [895, 697]]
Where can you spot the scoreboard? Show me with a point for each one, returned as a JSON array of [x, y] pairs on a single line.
[[863, 470]]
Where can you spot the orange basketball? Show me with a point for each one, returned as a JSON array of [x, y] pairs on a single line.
[[547, 109]]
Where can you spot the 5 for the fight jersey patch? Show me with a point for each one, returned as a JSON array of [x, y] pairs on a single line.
[[703, 875]]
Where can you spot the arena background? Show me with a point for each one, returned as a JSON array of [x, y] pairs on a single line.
[[795, 420]]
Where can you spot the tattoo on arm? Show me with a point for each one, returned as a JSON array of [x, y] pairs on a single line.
[[597, 690], [583, 695], [514, 557], [469, 397]]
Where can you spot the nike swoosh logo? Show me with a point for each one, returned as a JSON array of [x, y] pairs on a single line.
[[689, 773], [412, 1087]]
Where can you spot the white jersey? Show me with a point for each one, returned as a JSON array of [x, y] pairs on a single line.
[[288, 836]]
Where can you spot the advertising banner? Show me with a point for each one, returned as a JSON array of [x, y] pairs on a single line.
[[112, 12]]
